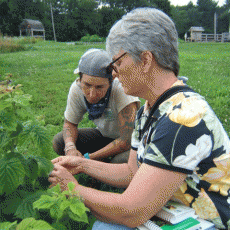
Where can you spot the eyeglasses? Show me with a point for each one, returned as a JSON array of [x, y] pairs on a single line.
[[111, 66]]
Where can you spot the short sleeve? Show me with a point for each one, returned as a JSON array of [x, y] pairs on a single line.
[[121, 99], [75, 108], [181, 139]]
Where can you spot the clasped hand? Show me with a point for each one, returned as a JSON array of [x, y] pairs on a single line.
[[64, 169]]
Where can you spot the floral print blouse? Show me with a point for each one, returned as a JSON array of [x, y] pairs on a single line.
[[188, 137]]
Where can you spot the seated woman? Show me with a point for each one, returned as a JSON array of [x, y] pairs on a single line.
[[182, 153]]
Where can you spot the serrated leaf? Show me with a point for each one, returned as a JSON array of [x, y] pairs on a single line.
[[4, 139], [25, 209], [56, 189], [64, 205], [7, 225], [56, 212], [12, 202], [4, 104], [20, 100], [45, 202], [12, 174], [8, 120], [71, 186], [18, 130], [83, 218], [77, 202], [44, 165], [32, 224], [32, 168], [78, 208]]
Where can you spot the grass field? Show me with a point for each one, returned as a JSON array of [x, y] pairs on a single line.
[[45, 70]]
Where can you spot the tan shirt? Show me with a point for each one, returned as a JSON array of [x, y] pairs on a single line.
[[108, 122]]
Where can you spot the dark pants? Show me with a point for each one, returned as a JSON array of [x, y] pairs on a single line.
[[89, 140]]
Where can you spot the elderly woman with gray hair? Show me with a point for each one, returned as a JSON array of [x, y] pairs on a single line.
[[180, 149]]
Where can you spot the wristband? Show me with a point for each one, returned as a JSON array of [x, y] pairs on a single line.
[[86, 155]]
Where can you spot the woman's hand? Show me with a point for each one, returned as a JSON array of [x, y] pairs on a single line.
[[72, 163], [62, 176]]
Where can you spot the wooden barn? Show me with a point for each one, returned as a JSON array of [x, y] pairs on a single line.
[[196, 33], [33, 28]]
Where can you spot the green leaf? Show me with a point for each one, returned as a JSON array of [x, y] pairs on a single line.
[[12, 202], [25, 209], [78, 207], [45, 166], [64, 205], [20, 100], [8, 120], [19, 129], [4, 139], [12, 174], [45, 202], [56, 189], [83, 218], [32, 224], [7, 225], [5, 104], [32, 168], [56, 212], [71, 186], [59, 226]]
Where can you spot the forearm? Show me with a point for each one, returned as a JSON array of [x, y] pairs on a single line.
[[70, 132], [106, 206], [115, 147], [118, 175]]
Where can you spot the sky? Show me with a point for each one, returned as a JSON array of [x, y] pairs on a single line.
[[185, 2]]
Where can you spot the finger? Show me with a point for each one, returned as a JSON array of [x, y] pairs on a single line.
[[57, 159], [52, 180]]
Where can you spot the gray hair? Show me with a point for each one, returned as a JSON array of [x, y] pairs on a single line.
[[146, 29]]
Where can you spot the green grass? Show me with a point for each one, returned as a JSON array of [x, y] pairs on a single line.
[[45, 70], [207, 66]]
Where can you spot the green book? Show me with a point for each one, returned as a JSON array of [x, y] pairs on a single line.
[[188, 224], [158, 224]]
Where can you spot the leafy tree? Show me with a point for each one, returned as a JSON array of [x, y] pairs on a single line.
[[163, 5], [207, 8], [106, 18], [185, 17]]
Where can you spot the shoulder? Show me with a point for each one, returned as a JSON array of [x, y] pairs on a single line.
[[186, 108], [75, 88]]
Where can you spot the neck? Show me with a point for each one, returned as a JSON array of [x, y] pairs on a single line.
[[156, 84]]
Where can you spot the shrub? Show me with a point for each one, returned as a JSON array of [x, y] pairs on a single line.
[[9, 44], [24, 168], [92, 38]]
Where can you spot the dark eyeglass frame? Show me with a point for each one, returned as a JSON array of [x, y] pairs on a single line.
[[111, 67]]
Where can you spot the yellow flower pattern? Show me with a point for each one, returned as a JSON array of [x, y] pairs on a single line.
[[219, 176], [188, 137], [188, 115], [181, 196]]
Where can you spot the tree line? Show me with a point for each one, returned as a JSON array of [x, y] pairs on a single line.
[[74, 19]]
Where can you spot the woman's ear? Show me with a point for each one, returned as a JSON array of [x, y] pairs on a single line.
[[147, 59]]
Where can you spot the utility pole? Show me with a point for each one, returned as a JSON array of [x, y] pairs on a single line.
[[53, 22], [215, 25]]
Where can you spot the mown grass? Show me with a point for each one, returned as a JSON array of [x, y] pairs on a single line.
[[46, 71]]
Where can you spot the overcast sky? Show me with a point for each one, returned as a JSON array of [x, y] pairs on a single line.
[[185, 2]]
